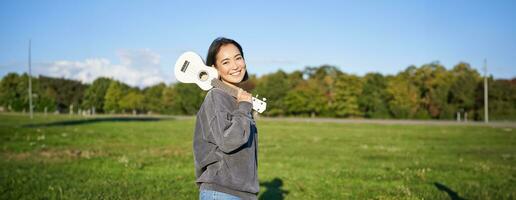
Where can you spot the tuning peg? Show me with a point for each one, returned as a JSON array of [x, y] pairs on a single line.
[[256, 96], [264, 99]]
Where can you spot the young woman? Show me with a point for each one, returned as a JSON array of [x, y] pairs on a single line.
[[225, 139]]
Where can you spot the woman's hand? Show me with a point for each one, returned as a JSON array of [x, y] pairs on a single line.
[[242, 95]]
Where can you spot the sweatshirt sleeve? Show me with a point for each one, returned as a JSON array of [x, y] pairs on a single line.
[[230, 129]]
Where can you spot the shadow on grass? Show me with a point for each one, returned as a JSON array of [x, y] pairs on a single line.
[[95, 120], [273, 190], [452, 194]]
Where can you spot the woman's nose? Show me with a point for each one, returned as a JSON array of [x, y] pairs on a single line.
[[235, 65]]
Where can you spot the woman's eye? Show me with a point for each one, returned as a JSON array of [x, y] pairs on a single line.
[[225, 63]]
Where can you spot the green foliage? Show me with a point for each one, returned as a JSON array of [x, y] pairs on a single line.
[[325, 77], [167, 100], [133, 101], [295, 78], [373, 99], [94, 95], [426, 92], [404, 97], [466, 82], [322, 72], [307, 99], [347, 90], [114, 94], [275, 87], [42, 99], [185, 99], [502, 99], [433, 83], [153, 98], [64, 92], [14, 95]]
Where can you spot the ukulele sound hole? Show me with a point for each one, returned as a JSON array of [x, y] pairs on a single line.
[[203, 76]]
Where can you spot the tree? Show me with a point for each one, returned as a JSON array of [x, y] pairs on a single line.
[[502, 99], [306, 99], [428, 91], [295, 78], [167, 100], [433, 82], [132, 101], [275, 87], [347, 90], [153, 98], [67, 92], [113, 96], [14, 93], [43, 98], [95, 94], [185, 98], [403, 97], [463, 88], [373, 99], [325, 76]]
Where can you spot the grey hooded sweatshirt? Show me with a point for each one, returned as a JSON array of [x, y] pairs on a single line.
[[225, 146]]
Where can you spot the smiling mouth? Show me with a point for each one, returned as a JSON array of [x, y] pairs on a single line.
[[236, 73]]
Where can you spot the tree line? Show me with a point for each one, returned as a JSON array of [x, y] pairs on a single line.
[[429, 91]]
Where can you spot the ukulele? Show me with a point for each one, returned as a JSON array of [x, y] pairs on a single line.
[[190, 68]]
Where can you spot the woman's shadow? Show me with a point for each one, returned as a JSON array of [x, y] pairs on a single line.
[[273, 190]]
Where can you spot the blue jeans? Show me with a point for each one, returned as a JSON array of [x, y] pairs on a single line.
[[214, 195]]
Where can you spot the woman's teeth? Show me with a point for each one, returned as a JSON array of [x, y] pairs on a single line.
[[235, 73]]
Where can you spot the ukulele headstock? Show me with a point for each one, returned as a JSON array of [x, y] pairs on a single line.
[[259, 105]]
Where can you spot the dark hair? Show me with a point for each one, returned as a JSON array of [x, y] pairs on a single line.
[[214, 50]]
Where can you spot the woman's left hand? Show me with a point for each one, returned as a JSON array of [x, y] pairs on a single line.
[[242, 95]]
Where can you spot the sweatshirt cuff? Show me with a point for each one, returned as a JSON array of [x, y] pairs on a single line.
[[245, 106]]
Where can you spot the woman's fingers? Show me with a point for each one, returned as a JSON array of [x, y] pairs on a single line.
[[243, 95]]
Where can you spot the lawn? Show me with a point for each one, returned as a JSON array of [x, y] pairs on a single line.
[[63, 157]]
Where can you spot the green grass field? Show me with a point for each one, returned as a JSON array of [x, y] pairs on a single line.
[[61, 157]]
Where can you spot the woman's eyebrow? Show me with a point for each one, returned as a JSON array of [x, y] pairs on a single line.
[[224, 59], [237, 55]]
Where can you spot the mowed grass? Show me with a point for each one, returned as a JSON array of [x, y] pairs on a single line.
[[63, 157]]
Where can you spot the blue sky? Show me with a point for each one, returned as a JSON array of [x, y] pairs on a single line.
[[139, 41]]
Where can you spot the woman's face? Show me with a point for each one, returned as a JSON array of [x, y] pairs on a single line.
[[230, 64]]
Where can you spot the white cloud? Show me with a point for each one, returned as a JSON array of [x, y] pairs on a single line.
[[137, 68]]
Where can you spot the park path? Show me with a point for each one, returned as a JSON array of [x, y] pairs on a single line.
[[497, 124], [507, 124]]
